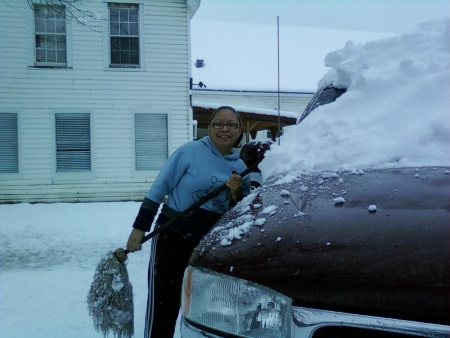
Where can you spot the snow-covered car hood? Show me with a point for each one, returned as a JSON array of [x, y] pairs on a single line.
[[374, 242]]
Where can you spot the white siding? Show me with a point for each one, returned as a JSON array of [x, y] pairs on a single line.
[[111, 96]]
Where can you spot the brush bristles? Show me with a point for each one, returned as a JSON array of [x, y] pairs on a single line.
[[110, 298]]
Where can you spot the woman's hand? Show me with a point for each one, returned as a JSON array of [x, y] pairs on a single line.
[[135, 240], [234, 183]]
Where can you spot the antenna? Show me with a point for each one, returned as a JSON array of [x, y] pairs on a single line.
[[278, 45]]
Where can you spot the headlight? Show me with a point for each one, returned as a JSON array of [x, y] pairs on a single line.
[[235, 306]]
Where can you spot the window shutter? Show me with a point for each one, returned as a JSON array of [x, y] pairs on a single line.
[[9, 143], [151, 141], [73, 142]]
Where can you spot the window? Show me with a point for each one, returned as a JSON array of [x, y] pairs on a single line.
[[73, 142], [9, 143], [151, 141], [50, 36], [124, 35]]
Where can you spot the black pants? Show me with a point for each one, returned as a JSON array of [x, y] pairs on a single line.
[[170, 253]]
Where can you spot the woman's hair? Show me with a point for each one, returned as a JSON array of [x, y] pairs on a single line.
[[238, 142]]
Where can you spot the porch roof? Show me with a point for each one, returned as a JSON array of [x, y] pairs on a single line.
[[253, 119]]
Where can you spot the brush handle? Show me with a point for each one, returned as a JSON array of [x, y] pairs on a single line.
[[194, 206]]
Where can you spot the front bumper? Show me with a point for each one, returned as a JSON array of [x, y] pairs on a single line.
[[306, 321]]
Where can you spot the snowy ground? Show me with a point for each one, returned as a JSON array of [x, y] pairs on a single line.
[[49, 253]]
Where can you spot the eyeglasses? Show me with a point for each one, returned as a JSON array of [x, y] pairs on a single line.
[[219, 125]]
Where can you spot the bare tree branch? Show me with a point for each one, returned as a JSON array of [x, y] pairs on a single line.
[[70, 8], [7, 4]]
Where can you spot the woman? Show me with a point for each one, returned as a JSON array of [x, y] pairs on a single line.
[[192, 171]]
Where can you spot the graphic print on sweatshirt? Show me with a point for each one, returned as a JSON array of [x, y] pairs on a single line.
[[220, 201]]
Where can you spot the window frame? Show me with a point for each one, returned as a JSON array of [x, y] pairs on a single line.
[[122, 37], [44, 34], [107, 39], [31, 41]]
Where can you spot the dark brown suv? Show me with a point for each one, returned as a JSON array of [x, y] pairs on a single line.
[[328, 255]]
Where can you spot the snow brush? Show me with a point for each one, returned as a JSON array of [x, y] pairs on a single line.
[[110, 297]]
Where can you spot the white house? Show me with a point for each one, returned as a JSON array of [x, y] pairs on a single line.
[[93, 97]]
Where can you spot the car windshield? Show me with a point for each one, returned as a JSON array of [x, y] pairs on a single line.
[[323, 96], [394, 112]]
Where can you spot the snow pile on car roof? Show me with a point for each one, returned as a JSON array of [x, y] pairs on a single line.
[[395, 112]]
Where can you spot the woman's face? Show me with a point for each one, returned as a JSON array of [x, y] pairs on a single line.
[[224, 138]]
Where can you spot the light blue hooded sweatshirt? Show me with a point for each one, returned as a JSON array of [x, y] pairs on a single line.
[[194, 170]]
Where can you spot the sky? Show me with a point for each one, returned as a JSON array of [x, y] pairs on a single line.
[[239, 41], [389, 16], [395, 113]]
